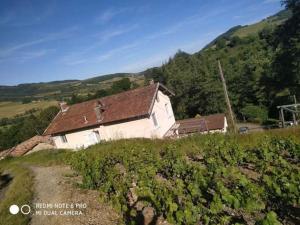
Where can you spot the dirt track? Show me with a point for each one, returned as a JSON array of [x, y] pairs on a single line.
[[53, 186]]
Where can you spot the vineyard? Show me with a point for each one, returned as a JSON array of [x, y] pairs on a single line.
[[211, 179]]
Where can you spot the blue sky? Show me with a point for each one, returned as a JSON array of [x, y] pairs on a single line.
[[55, 40]]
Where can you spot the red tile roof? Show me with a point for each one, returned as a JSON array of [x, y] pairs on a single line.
[[26, 146], [124, 106], [202, 124]]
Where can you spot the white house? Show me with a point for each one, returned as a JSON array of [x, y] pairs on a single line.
[[144, 112]]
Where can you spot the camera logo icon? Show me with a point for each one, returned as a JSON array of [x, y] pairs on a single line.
[[14, 209]]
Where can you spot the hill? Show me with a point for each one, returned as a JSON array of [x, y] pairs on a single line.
[[57, 90], [11, 109], [258, 76], [252, 29]]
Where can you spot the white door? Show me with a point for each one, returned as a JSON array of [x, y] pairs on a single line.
[[91, 139]]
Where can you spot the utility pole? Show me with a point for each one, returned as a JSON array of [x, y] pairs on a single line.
[[227, 97], [296, 109]]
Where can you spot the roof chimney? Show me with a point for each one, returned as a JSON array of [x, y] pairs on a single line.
[[85, 119], [99, 109], [63, 106]]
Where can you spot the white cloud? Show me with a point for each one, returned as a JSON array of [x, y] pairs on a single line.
[[34, 54], [79, 56], [6, 52], [115, 51], [109, 14], [74, 59], [27, 55], [194, 19], [114, 32], [270, 1]]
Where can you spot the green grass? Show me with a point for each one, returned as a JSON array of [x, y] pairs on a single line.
[[20, 190], [11, 109], [256, 27]]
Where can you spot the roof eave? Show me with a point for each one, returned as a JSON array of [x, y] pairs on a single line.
[[166, 90]]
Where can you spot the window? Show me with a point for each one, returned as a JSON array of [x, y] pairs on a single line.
[[96, 132], [154, 120], [167, 109], [64, 139], [157, 98]]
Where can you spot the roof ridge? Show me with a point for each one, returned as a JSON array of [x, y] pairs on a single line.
[[130, 104], [123, 92]]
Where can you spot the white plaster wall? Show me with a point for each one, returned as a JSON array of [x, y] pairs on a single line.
[[224, 130], [75, 140], [165, 120], [143, 128], [140, 128]]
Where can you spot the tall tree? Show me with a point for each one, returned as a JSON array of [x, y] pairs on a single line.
[[287, 46]]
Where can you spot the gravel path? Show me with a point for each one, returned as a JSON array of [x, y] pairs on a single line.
[[55, 185]]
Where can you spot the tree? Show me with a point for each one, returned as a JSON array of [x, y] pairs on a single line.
[[255, 113], [286, 65], [221, 43], [26, 127], [100, 93], [121, 85]]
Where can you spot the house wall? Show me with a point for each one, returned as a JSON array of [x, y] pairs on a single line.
[[224, 130], [75, 140], [140, 128], [165, 120]]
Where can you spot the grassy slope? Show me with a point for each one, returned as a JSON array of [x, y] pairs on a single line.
[[243, 31], [20, 190], [11, 109], [255, 28], [145, 160]]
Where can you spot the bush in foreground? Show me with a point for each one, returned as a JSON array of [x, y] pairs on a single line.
[[208, 180]]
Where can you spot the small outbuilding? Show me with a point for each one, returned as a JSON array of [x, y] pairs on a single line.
[[216, 123]]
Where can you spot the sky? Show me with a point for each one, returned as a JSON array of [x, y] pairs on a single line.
[[51, 40]]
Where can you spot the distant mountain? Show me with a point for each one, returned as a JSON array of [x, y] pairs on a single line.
[[61, 89], [243, 31]]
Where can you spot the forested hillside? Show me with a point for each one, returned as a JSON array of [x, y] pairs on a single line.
[[261, 68]]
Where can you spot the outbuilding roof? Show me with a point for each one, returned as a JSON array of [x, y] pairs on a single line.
[[202, 124], [120, 107]]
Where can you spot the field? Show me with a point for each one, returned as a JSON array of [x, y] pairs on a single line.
[[208, 179], [11, 109]]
